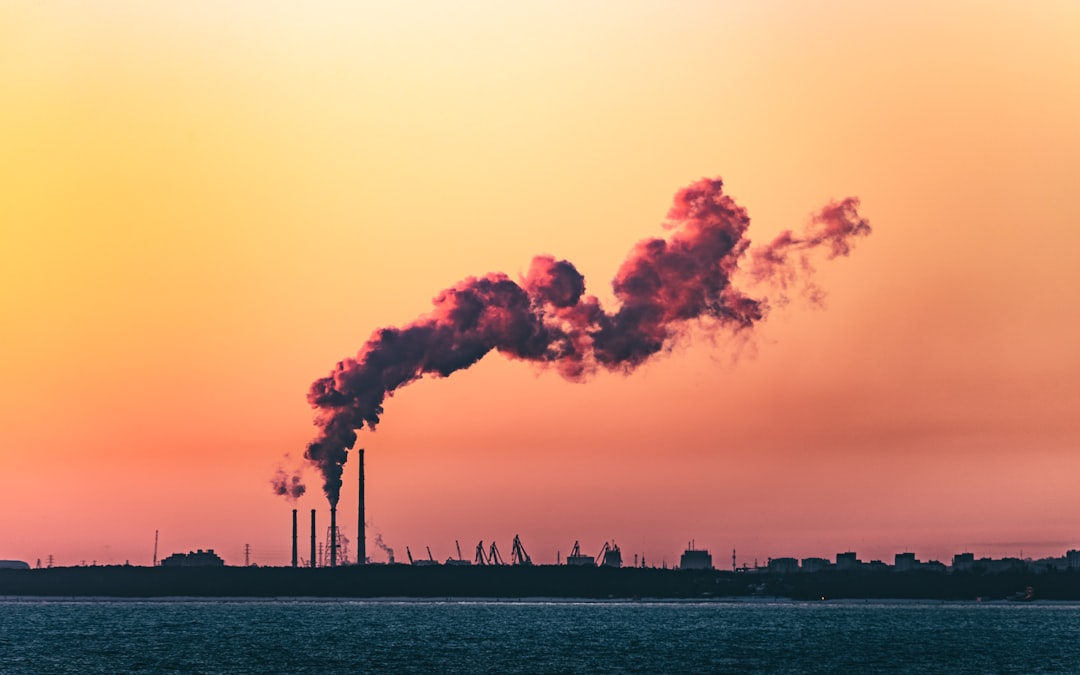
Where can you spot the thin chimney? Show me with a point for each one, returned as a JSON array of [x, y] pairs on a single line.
[[333, 536], [313, 537], [361, 544], [294, 537]]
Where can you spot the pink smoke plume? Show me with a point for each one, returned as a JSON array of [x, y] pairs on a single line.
[[786, 262], [546, 318]]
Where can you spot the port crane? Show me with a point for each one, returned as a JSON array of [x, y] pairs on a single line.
[[577, 558], [518, 556], [493, 555], [420, 562], [459, 560], [610, 555]]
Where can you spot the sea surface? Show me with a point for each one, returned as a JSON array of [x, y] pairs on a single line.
[[535, 636]]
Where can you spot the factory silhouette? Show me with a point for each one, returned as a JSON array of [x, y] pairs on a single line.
[[203, 573], [610, 555]]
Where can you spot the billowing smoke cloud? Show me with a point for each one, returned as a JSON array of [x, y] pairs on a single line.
[[664, 286], [288, 485]]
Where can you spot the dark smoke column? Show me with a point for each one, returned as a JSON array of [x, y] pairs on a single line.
[[663, 285]]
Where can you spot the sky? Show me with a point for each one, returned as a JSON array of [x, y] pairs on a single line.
[[205, 206]]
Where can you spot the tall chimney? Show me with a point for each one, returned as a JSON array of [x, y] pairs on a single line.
[[294, 537], [361, 539], [313, 537], [333, 536]]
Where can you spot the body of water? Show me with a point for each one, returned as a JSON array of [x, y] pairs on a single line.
[[331, 636]]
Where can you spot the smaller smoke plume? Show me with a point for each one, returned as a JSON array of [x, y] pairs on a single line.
[[288, 484], [785, 261], [389, 551]]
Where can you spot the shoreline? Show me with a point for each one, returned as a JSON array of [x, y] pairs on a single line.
[[535, 583]]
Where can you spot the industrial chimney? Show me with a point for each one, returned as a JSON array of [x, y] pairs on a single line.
[[294, 537], [333, 536], [313, 538], [361, 543]]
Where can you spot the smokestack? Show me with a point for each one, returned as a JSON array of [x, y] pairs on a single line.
[[333, 536], [361, 544], [294, 537], [313, 537]]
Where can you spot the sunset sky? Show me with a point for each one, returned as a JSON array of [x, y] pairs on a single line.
[[205, 206]]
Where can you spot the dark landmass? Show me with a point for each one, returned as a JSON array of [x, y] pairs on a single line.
[[528, 581]]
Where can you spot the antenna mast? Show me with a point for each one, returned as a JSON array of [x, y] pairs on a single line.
[[155, 547]]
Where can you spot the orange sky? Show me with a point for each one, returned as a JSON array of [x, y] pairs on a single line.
[[203, 208]]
